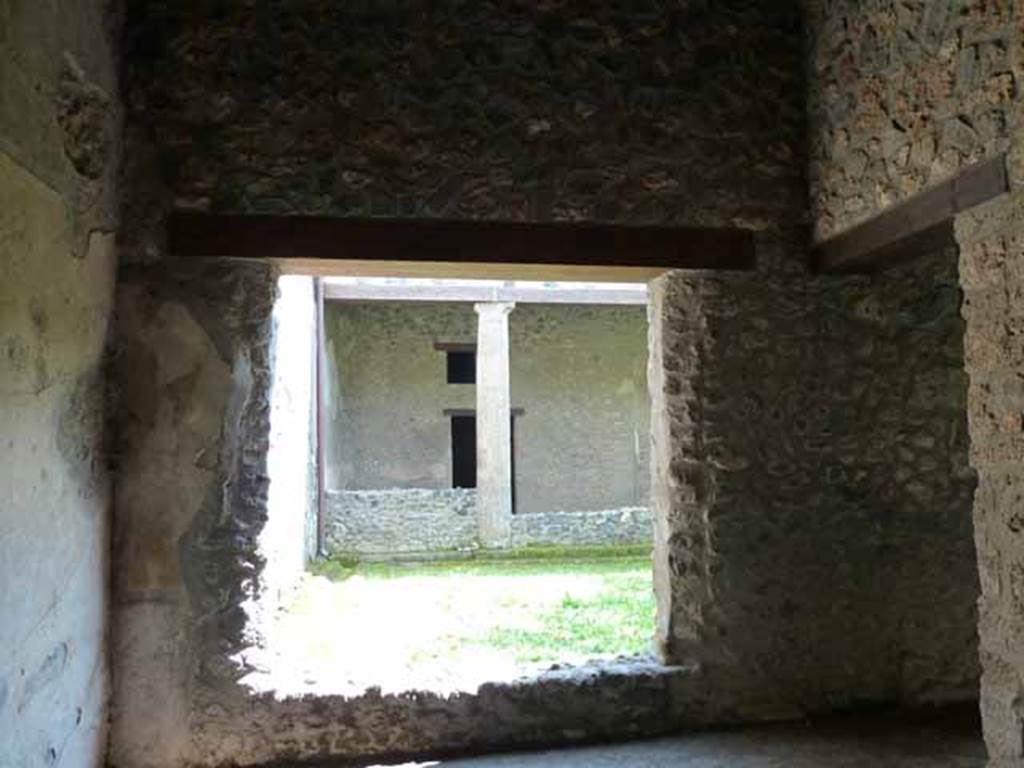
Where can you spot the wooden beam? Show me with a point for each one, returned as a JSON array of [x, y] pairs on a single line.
[[915, 227], [423, 247], [455, 346], [517, 294], [472, 411]]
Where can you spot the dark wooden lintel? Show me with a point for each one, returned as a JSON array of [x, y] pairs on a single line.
[[472, 411], [915, 227], [196, 235], [454, 346]]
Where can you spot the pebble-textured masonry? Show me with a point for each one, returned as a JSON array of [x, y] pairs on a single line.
[[992, 241], [904, 94], [394, 522], [605, 527], [401, 521], [813, 513], [482, 110]]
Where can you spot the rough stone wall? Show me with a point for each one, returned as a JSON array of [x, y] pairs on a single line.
[[59, 147], [633, 110], [628, 111], [904, 94], [628, 700], [992, 243], [422, 520], [577, 372], [813, 537], [598, 528], [401, 521]]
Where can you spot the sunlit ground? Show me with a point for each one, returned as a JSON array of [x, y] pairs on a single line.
[[451, 626]]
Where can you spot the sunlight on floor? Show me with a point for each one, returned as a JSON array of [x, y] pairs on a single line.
[[450, 627]]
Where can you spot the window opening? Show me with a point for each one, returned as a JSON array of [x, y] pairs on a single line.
[[406, 534], [461, 367], [460, 361]]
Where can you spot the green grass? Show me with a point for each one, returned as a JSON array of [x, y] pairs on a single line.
[[618, 620], [537, 607], [341, 567]]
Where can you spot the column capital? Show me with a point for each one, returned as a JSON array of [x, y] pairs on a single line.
[[494, 307]]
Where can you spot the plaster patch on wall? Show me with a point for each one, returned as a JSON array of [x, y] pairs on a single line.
[[81, 431], [83, 114], [283, 542]]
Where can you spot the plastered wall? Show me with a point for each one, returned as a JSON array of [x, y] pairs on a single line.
[[288, 540], [577, 375], [59, 120]]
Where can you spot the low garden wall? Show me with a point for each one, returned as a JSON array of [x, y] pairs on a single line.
[[407, 521], [605, 527], [400, 521]]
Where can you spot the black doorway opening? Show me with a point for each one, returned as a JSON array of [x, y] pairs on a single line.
[[463, 451]]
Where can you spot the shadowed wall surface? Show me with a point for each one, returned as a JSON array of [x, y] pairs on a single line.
[[903, 95], [769, 493], [628, 111], [813, 521], [479, 110]]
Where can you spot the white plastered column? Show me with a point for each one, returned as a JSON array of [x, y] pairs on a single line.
[[493, 425]]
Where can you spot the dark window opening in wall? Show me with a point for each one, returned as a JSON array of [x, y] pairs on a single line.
[[463, 451], [512, 462], [461, 367], [460, 360]]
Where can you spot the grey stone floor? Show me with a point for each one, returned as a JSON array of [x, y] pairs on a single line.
[[836, 743]]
